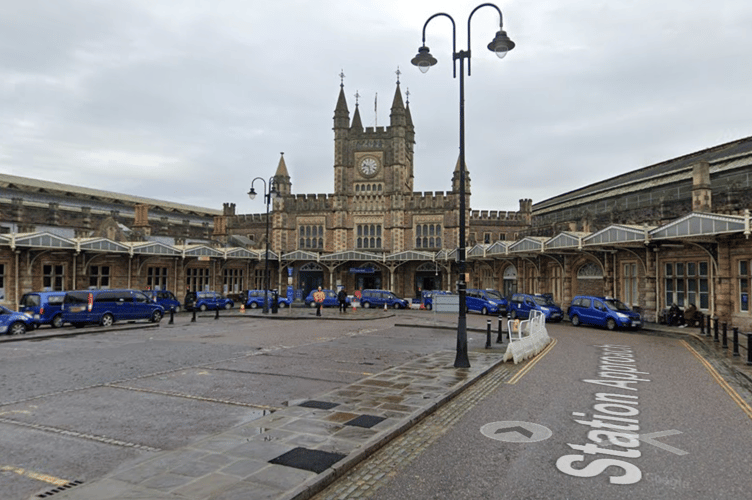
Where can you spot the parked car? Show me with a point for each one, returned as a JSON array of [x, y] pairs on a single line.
[[207, 301], [330, 299], [105, 307], [521, 304], [381, 298], [602, 311], [426, 297], [14, 322], [255, 299], [44, 308], [485, 301], [164, 298]]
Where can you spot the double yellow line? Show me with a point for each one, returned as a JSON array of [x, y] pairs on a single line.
[[34, 475], [530, 365], [717, 377]]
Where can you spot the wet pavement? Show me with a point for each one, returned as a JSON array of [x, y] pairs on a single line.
[[298, 450]]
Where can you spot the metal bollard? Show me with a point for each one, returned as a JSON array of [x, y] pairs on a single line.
[[193, 319], [172, 316], [749, 351], [509, 331], [715, 330], [488, 334], [499, 338], [702, 325], [216, 313], [736, 342], [724, 344]]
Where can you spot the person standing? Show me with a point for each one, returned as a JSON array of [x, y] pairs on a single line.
[[318, 298], [342, 297]]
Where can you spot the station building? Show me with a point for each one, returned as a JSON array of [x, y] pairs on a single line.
[[674, 232]]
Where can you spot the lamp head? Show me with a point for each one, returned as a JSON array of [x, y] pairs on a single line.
[[252, 193], [424, 60], [501, 44]]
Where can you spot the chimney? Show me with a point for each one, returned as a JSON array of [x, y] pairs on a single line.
[[702, 194]]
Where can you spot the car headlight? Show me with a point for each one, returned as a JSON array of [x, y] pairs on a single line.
[[622, 316], [545, 309]]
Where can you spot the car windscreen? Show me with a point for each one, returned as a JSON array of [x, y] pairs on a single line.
[[544, 301], [30, 300], [493, 295], [616, 305]]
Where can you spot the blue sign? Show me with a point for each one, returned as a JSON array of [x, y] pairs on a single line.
[[361, 270]]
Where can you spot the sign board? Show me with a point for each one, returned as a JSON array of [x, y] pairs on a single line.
[[446, 303]]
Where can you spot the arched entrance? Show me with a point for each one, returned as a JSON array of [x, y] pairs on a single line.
[[311, 276], [367, 276], [510, 281], [427, 277]]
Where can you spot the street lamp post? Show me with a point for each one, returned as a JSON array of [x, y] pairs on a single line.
[[500, 45], [268, 196]]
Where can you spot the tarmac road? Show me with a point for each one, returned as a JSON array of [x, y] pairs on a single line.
[[545, 433]]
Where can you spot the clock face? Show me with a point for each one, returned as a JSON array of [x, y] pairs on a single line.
[[369, 166]]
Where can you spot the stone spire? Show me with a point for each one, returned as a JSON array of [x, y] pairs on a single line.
[[456, 179], [282, 178], [398, 115]]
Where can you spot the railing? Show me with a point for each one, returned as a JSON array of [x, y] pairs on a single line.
[[706, 322]]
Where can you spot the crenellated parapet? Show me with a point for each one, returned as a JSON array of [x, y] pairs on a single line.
[[495, 215], [429, 199], [309, 202]]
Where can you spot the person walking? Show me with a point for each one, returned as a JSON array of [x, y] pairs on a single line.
[[342, 297], [318, 298]]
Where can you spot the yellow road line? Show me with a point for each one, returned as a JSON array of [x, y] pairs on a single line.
[[34, 475], [529, 367], [721, 381]]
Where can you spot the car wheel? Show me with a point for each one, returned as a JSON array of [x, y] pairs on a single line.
[[313, 304], [17, 328], [575, 320], [484, 311], [156, 317], [57, 321], [610, 324], [429, 307], [107, 320], [202, 308], [366, 305], [253, 305], [176, 309], [396, 306], [228, 306], [282, 305]]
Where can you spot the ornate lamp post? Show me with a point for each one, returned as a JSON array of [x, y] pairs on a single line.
[[500, 45], [268, 196]]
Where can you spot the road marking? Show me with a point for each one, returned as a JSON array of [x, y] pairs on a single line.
[[34, 475], [530, 365], [516, 432], [721, 381], [649, 438]]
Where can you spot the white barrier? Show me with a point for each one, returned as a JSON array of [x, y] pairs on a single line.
[[532, 337]]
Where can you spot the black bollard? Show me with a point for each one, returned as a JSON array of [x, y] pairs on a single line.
[[488, 334], [736, 342], [749, 349], [724, 344], [499, 338], [702, 325], [193, 319], [715, 330], [710, 332], [172, 316], [216, 313]]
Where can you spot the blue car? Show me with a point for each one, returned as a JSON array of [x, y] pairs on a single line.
[[14, 323], [105, 307], [485, 301], [256, 299], [164, 298], [381, 298], [522, 303], [330, 299], [210, 301], [602, 311], [45, 308]]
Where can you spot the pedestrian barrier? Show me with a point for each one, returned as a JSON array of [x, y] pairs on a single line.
[[709, 327], [532, 337]]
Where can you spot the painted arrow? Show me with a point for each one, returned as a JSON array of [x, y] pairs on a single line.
[[518, 429]]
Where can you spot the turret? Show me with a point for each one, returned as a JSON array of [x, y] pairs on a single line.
[[282, 178]]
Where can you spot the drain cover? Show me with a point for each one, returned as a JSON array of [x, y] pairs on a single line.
[[321, 405], [366, 421], [60, 489], [313, 460]]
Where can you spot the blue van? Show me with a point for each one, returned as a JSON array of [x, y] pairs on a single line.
[[485, 301], [522, 303], [105, 307], [255, 299], [602, 311], [44, 308], [381, 298], [164, 298]]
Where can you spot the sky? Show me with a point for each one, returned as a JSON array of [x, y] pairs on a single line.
[[189, 100]]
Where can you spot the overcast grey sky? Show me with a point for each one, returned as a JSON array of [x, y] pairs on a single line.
[[188, 100]]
